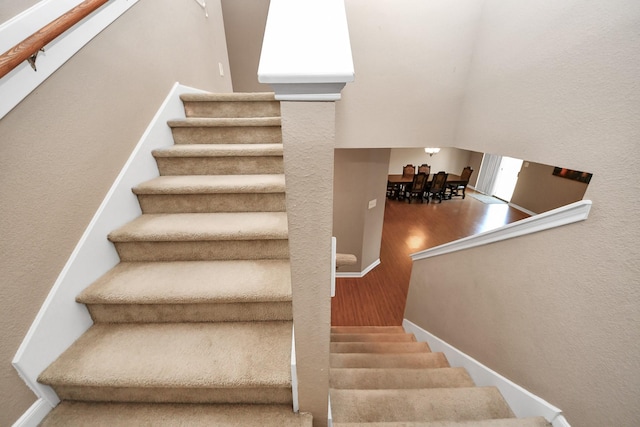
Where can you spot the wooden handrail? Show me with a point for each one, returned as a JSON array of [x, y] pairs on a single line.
[[38, 40]]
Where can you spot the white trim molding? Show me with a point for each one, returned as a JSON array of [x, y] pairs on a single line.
[[521, 209], [523, 403], [60, 320], [34, 415], [294, 372], [574, 212], [306, 51], [22, 80], [356, 274], [334, 243]]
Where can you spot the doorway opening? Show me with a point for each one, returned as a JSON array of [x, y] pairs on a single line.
[[507, 178], [498, 176]]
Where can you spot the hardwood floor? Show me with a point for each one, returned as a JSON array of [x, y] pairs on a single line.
[[378, 299]]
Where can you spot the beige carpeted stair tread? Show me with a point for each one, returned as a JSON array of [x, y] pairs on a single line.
[[390, 378], [208, 184], [83, 414], [192, 281], [226, 130], [439, 404], [124, 361], [231, 105], [203, 227], [220, 150], [367, 329], [379, 347], [371, 337], [503, 422], [191, 122], [228, 97], [388, 360]]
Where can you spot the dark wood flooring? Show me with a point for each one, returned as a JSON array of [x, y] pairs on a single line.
[[378, 299]]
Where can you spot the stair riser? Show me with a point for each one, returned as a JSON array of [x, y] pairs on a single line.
[[373, 338], [270, 395], [367, 329], [232, 109], [160, 313], [203, 251], [210, 203], [379, 347], [454, 404], [504, 422], [227, 135], [220, 165], [412, 361], [101, 414], [373, 379]]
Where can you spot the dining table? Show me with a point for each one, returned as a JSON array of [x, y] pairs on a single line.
[[399, 179], [402, 179]]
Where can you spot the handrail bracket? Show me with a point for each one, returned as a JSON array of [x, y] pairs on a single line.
[[32, 59]]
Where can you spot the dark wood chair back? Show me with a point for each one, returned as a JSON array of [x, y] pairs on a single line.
[[460, 188], [408, 170], [439, 182], [438, 186], [424, 168], [466, 173], [418, 186]]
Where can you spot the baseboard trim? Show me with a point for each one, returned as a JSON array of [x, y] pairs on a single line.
[[358, 275], [521, 209], [522, 402], [60, 320], [294, 372], [34, 415]]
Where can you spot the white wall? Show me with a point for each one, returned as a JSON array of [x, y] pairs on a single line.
[[450, 160]]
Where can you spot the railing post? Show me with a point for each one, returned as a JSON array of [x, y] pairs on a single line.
[[306, 58]]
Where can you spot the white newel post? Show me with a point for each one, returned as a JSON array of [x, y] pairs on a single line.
[[306, 58]]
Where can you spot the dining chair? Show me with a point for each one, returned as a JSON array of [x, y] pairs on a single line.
[[417, 187], [424, 168], [438, 186], [408, 172], [461, 186]]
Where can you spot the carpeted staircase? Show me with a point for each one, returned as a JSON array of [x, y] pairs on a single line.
[[381, 377], [193, 327]]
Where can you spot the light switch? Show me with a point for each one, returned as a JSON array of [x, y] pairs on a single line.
[[372, 203]]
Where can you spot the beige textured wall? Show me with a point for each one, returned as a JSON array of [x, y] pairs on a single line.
[[63, 146], [475, 161], [376, 177], [538, 190], [360, 175], [558, 312], [411, 62], [11, 8], [308, 135], [244, 27], [451, 160]]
